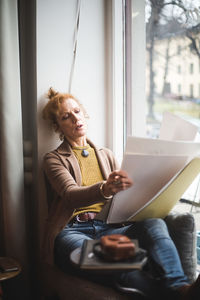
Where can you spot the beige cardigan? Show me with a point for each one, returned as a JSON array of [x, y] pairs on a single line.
[[63, 173]]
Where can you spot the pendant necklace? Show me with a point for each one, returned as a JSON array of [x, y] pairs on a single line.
[[84, 153], [83, 150]]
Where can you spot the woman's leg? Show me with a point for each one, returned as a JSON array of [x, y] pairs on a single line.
[[141, 280], [73, 236], [70, 238], [154, 237]]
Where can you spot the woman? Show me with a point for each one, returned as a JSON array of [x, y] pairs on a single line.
[[85, 177]]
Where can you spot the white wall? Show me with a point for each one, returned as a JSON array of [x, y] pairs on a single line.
[[55, 29]]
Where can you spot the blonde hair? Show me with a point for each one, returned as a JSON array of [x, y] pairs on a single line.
[[52, 108]]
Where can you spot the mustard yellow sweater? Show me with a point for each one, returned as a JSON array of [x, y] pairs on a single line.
[[91, 174]]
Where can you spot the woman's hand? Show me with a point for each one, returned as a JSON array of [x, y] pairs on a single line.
[[116, 182]]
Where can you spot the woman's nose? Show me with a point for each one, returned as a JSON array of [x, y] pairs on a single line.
[[75, 117]]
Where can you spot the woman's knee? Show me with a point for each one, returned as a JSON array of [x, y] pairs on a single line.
[[154, 222], [156, 228]]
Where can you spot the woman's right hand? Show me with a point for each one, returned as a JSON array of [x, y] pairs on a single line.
[[117, 181]]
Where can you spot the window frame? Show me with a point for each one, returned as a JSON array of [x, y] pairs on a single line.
[[127, 115], [116, 79], [135, 65]]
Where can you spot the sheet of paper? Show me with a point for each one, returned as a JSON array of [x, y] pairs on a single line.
[[150, 174], [152, 163], [139, 145], [197, 138], [162, 203], [175, 128]]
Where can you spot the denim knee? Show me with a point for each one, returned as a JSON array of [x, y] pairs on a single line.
[[154, 222], [157, 227], [153, 229]]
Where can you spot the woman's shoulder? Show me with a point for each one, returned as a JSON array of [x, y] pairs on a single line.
[[106, 154], [62, 149], [50, 158], [107, 151], [55, 159], [52, 153]]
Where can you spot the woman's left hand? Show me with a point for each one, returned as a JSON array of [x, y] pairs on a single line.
[[116, 182]]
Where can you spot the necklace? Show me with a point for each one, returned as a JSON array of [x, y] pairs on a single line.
[[84, 153], [83, 150]]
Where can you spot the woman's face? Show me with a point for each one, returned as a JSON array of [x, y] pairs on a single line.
[[71, 121]]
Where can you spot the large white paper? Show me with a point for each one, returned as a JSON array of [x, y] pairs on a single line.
[[149, 174], [139, 145], [152, 164], [175, 128], [197, 138]]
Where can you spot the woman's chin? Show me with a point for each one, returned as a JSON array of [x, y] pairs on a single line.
[[81, 132], [79, 135]]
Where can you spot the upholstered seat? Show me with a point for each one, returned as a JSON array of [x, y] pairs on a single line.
[[58, 285], [182, 229]]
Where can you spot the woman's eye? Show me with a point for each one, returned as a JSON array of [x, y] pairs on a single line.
[[77, 111], [65, 117]]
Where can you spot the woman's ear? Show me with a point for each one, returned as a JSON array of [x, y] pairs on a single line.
[[56, 127], [61, 136], [58, 130]]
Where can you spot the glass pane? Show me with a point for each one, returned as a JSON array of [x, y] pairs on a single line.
[[173, 70], [172, 61]]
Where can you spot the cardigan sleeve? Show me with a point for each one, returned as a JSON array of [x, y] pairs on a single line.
[[64, 184]]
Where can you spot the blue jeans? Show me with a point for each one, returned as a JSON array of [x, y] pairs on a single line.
[[152, 235]]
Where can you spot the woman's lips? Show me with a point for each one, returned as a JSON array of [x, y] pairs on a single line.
[[79, 127]]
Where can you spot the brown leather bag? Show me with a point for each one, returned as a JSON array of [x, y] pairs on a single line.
[[117, 247]]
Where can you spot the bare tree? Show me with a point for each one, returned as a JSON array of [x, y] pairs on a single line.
[[156, 8], [157, 14], [193, 34], [167, 59]]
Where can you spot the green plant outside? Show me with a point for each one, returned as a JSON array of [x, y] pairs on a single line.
[[178, 107]]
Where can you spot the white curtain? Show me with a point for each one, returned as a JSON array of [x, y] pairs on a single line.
[[12, 208]]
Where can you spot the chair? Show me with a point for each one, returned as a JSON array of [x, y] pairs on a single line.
[[56, 285]]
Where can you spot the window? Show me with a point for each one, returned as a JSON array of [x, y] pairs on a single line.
[[173, 36], [179, 88], [135, 103], [191, 68], [179, 50], [160, 56], [191, 90], [115, 33], [160, 59]]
